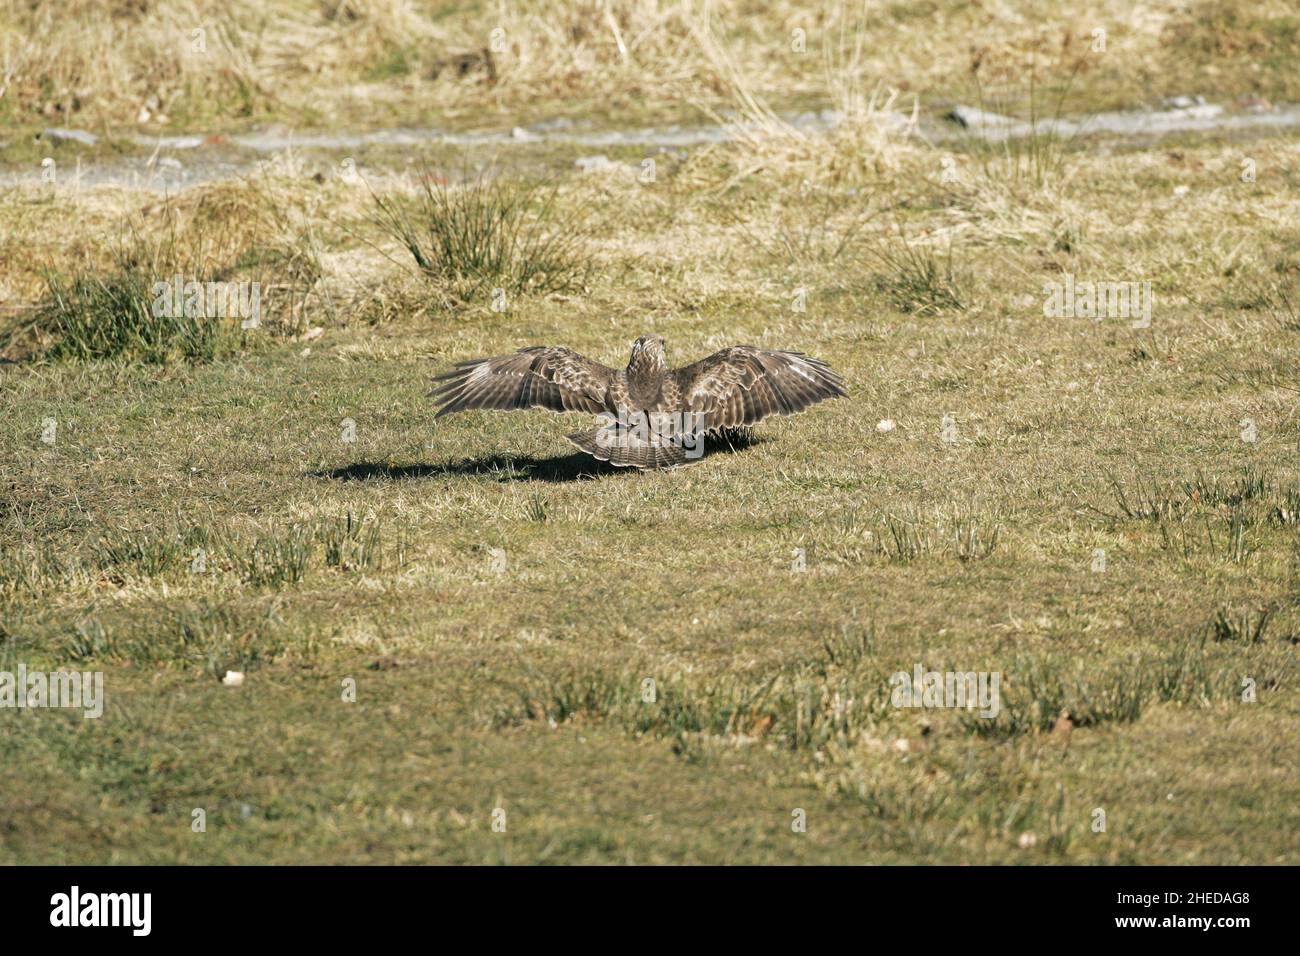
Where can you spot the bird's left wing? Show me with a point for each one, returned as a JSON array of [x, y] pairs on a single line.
[[742, 385], [538, 377]]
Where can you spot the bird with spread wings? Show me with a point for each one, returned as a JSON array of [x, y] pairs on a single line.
[[651, 416]]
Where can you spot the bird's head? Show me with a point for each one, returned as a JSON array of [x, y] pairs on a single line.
[[648, 350]]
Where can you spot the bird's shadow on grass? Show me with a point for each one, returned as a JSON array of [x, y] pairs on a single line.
[[560, 468], [575, 467]]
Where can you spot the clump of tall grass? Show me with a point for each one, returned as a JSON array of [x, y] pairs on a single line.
[[276, 558], [1277, 298], [488, 234], [34, 568], [283, 555], [1033, 152], [869, 134], [161, 297], [353, 543], [796, 711], [844, 698], [215, 637], [1145, 501], [966, 531], [917, 279], [1286, 510], [1253, 482], [1196, 670], [1235, 544], [88, 316], [144, 553], [851, 646], [185, 276], [536, 509], [1215, 515], [273, 558], [903, 539], [1245, 627], [973, 533]]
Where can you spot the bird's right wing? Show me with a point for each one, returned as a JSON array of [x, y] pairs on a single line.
[[538, 377]]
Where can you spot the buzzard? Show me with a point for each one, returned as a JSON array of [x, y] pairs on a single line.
[[651, 416]]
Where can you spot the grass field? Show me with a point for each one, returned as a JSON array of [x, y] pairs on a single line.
[[465, 642], [325, 62]]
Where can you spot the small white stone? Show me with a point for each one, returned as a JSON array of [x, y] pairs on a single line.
[[233, 679], [1027, 840], [886, 425]]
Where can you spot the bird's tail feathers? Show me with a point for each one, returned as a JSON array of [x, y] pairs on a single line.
[[624, 449]]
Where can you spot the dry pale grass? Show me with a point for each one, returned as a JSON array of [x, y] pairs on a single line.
[[308, 62]]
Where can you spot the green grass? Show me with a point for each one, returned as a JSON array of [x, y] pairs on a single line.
[[90, 316], [631, 665]]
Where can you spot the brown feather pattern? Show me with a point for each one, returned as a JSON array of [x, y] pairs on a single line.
[[742, 385], [735, 386], [538, 377]]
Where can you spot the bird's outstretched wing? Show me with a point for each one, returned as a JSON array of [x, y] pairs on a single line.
[[742, 385], [538, 377]]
